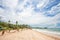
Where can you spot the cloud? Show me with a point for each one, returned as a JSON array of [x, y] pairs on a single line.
[[51, 3], [32, 12], [54, 11]]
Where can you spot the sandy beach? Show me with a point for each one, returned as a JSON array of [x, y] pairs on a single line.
[[27, 34]]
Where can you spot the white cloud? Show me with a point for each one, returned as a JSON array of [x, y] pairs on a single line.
[[1, 10], [42, 3], [27, 16], [10, 3]]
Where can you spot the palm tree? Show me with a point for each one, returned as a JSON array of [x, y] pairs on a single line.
[[17, 28], [9, 21], [16, 22], [9, 25]]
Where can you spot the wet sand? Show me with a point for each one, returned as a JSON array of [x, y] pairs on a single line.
[[27, 34]]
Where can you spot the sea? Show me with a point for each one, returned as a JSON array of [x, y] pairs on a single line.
[[50, 29], [54, 29]]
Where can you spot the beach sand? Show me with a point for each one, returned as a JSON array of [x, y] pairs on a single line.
[[27, 34]]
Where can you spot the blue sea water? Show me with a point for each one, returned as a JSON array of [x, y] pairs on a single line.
[[54, 29], [49, 29]]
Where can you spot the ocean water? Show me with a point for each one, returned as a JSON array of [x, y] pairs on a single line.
[[54, 29], [49, 29]]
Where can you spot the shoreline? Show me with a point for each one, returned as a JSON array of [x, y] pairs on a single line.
[[51, 33], [47, 31]]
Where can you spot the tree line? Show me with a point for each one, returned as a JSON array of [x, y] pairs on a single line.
[[8, 26]]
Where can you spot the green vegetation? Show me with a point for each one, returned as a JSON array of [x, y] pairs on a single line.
[[8, 26]]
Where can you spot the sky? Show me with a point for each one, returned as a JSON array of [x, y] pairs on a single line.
[[37, 13]]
